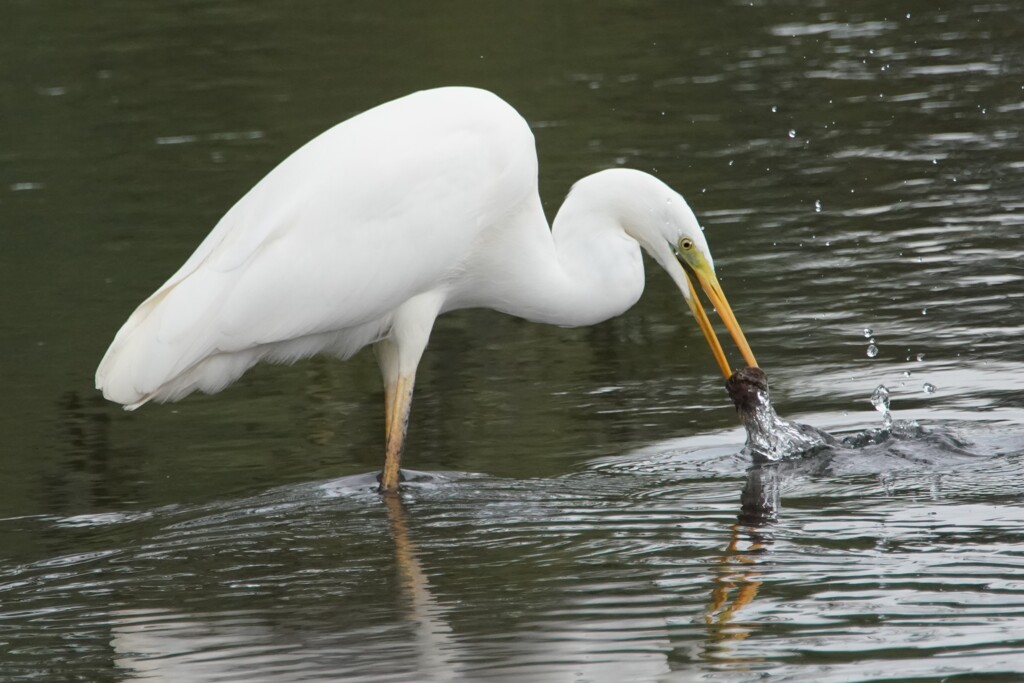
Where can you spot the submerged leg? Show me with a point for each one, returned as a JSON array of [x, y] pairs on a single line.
[[399, 399]]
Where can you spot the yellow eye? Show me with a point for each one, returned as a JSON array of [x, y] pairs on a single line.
[[686, 244]]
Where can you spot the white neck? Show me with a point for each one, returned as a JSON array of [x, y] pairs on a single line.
[[584, 270]]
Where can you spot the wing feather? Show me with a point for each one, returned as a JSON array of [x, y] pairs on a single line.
[[317, 255]]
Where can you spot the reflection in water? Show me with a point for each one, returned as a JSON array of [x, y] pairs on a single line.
[[603, 575], [435, 647], [737, 579], [169, 645], [760, 499], [586, 637], [162, 645]]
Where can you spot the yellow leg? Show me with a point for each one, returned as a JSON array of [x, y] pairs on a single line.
[[396, 412], [389, 397]]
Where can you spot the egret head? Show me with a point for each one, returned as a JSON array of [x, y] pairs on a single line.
[[663, 223], [693, 255]]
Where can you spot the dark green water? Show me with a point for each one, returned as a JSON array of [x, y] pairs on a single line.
[[587, 517]]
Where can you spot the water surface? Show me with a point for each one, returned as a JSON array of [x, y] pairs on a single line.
[[585, 514]]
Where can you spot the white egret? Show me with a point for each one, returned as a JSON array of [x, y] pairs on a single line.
[[367, 233]]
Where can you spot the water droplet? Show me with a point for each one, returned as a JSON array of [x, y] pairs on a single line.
[[868, 333], [920, 357], [730, 162], [908, 15], [817, 206], [792, 133], [880, 399], [872, 350], [774, 108], [928, 388], [906, 373], [924, 311]]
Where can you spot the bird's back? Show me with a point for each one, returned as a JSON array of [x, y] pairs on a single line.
[[315, 257]]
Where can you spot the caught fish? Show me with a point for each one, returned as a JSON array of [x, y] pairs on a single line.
[[770, 438]]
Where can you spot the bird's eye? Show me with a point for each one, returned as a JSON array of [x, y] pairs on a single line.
[[686, 244]]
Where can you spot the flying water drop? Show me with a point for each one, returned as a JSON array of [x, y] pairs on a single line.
[[872, 350], [928, 388], [792, 133], [880, 400], [868, 333], [920, 357], [817, 206]]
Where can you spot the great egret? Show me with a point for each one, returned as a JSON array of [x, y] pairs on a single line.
[[367, 233]]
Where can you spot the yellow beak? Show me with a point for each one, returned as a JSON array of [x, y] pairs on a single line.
[[709, 283]]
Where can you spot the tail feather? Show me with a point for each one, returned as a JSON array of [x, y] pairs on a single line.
[[113, 376], [138, 369], [144, 363]]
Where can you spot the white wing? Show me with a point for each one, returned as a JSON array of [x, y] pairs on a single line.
[[376, 210]]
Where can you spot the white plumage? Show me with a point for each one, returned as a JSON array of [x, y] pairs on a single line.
[[422, 205]]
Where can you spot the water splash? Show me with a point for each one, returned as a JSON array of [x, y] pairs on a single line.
[[770, 438], [890, 429], [880, 400]]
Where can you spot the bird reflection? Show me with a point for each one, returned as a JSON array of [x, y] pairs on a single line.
[[172, 644], [737, 579], [435, 645]]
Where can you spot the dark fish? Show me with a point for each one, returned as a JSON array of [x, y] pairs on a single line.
[[769, 437]]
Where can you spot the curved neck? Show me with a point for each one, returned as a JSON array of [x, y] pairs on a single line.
[[584, 270]]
